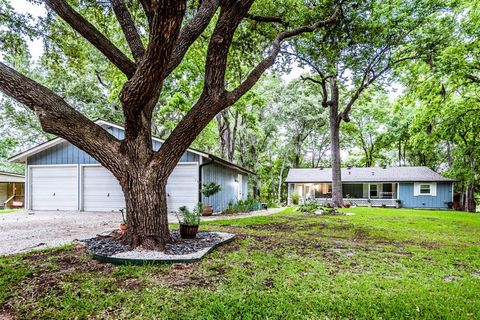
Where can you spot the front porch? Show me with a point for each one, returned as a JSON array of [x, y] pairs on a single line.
[[360, 194], [12, 194]]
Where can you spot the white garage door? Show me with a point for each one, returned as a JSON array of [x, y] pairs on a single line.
[[54, 188], [182, 187], [101, 190]]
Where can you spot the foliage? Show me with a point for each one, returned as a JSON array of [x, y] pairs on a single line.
[[241, 206], [295, 197], [210, 188], [313, 207], [190, 217], [364, 281]]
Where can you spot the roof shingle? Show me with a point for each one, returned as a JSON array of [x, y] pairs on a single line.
[[373, 174]]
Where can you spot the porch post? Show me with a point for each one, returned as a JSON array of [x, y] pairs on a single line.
[[368, 196]]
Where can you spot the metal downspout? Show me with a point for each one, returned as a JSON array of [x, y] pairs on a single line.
[[200, 177]]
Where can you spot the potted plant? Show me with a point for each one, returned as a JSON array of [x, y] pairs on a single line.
[[398, 204], [123, 225], [208, 190], [189, 221], [347, 203]]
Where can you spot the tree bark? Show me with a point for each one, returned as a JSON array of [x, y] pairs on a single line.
[[146, 208], [337, 197], [470, 204], [280, 180]]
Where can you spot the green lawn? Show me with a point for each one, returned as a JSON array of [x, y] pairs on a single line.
[[379, 263], [9, 210]]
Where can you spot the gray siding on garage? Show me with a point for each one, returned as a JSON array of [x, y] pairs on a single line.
[[67, 153], [441, 200], [225, 177]]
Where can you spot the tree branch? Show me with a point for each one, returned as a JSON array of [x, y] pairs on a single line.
[[140, 93], [58, 118], [128, 28], [191, 31], [367, 81], [268, 61], [92, 35]]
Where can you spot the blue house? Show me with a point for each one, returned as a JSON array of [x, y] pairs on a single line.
[[411, 187], [59, 176]]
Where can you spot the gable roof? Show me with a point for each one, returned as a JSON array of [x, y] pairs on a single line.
[[373, 174], [21, 157]]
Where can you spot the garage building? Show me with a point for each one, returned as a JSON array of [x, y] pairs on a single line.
[[59, 176]]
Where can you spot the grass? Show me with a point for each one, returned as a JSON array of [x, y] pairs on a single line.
[[8, 210], [378, 263]]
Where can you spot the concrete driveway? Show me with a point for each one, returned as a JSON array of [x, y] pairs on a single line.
[[23, 231]]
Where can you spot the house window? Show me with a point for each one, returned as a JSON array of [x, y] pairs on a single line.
[[373, 191], [424, 189]]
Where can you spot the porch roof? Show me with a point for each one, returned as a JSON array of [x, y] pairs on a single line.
[[11, 177], [373, 174]]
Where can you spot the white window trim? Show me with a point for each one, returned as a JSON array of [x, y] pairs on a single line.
[[433, 189]]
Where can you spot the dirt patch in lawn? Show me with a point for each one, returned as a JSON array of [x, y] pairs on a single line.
[[51, 270]]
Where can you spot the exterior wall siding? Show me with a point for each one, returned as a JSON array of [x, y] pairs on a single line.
[[67, 153], [444, 195], [225, 177]]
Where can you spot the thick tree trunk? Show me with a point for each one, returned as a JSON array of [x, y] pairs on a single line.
[[470, 204], [280, 181], [337, 198], [146, 207]]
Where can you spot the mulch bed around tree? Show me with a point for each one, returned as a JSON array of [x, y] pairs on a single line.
[[112, 249]]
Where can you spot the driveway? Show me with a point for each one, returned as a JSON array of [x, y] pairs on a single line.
[[23, 231]]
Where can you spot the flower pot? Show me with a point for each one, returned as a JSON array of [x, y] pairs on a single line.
[[123, 228], [207, 210], [347, 205], [188, 232]]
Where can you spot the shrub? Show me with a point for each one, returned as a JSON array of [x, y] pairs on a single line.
[[210, 188], [295, 197], [190, 218], [246, 205], [313, 206]]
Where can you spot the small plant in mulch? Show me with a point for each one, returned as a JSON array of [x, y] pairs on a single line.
[[123, 225], [189, 221]]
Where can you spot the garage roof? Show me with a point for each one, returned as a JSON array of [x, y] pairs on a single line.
[[22, 157], [374, 174]]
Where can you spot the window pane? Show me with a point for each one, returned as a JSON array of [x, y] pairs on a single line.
[[424, 188]]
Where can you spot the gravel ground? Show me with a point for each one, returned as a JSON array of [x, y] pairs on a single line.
[[22, 231]]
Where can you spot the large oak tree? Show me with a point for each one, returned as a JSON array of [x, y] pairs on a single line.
[[141, 171]]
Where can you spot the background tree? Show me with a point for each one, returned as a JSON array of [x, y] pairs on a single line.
[[361, 49]]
